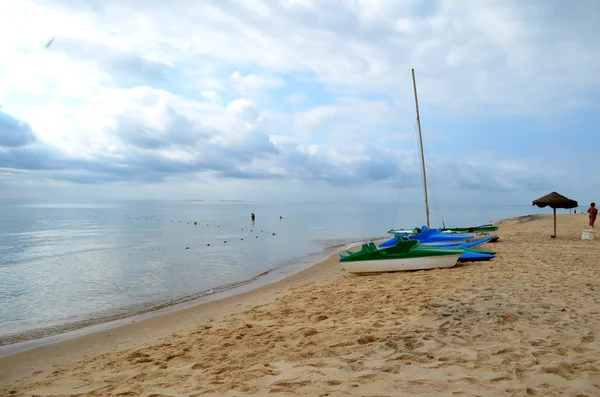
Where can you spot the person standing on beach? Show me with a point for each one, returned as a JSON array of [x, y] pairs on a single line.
[[593, 211]]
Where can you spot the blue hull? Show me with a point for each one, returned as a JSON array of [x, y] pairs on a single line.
[[468, 244], [468, 256], [475, 257], [436, 236]]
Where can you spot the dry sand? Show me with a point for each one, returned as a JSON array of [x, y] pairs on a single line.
[[524, 324]]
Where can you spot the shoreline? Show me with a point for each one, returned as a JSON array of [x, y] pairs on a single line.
[[524, 323], [14, 343], [145, 310], [160, 322]]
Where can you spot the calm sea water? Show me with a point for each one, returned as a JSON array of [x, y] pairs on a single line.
[[65, 264]]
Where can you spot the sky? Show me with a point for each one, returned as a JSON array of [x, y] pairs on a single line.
[[297, 100]]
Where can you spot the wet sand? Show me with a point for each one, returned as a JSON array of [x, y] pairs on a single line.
[[523, 324]]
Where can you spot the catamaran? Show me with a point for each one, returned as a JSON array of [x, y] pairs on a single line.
[[412, 252], [478, 232]]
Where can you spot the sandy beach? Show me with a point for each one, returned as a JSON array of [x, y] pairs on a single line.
[[523, 324]]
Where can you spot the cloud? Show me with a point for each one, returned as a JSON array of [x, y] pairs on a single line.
[[13, 132], [294, 92], [122, 65], [252, 81]]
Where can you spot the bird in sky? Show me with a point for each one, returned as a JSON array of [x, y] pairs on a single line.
[[48, 44]]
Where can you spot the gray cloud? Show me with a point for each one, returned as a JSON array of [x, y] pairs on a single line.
[[140, 162], [178, 130], [249, 156], [13, 132], [125, 67]]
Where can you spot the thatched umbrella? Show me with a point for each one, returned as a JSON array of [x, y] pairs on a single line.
[[554, 201]]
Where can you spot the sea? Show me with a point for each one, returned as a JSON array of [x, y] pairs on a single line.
[[66, 266]]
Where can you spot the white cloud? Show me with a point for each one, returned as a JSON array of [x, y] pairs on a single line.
[[190, 87], [251, 82], [297, 98]]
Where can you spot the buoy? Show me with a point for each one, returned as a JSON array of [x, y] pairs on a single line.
[[225, 241], [241, 239], [187, 248], [208, 245], [256, 236]]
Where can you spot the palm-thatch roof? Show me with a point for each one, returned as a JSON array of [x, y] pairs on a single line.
[[555, 200]]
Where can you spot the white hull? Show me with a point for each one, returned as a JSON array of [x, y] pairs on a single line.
[[495, 235], [401, 265], [479, 235]]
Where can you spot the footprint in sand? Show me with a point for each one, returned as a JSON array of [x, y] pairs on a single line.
[[588, 338]]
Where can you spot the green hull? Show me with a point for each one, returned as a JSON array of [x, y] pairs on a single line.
[[404, 249]]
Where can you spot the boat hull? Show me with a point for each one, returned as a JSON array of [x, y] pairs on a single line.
[[445, 244], [466, 244], [401, 264], [477, 232], [475, 257]]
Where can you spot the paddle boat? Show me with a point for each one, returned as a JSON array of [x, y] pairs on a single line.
[[476, 255], [445, 244], [479, 231], [405, 255], [435, 237], [470, 254]]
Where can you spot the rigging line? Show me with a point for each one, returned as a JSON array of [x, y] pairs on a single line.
[[408, 158], [434, 190]]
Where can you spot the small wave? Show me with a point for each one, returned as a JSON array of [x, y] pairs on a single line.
[[34, 258], [129, 311]]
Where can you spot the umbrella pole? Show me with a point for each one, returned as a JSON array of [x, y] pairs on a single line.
[[554, 221]]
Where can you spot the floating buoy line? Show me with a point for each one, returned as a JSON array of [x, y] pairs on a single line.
[[195, 223]]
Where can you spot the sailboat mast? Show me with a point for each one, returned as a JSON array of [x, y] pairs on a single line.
[[421, 145]]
